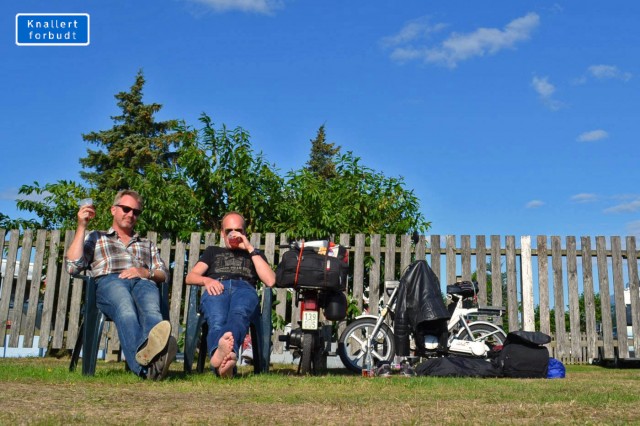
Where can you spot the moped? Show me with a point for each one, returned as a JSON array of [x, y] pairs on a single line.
[[374, 334]]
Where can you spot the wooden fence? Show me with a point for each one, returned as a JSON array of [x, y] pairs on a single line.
[[554, 276]]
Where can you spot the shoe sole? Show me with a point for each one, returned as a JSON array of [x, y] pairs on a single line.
[[168, 357], [156, 342]]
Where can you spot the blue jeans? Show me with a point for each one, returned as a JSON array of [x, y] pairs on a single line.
[[231, 310], [134, 305]]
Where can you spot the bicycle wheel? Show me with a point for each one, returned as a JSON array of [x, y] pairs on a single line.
[[352, 344], [491, 335], [308, 347]]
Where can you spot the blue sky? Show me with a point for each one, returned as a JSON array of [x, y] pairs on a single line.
[[505, 117]]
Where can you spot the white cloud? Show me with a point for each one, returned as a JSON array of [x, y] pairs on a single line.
[[633, 228], [602, 72], [534, 204], [630, 207], [458, 46], [255, 6], [593, 136], [545, 91], [12, 194], [584, 198]]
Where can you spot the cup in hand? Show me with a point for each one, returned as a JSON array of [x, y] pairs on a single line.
[[87, 202], [234, 242]]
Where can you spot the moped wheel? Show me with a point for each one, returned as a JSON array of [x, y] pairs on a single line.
[[308, 348], [352, 344], [490, 335]]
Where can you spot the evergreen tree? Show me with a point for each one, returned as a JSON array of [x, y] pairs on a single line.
[[135, 142], [321, 160]]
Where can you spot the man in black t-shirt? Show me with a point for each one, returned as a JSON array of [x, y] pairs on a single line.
[[229, 275]]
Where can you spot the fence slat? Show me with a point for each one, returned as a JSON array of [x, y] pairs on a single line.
[[7, 282], [465, 248], [177, 281], [63, 297], [618, 294], [589, 298], [605, 298], [633, 292], [21, 285], [528, 317], [574, 305], [496, 276], [374, 275], [451, 259], [34, 291], [435, 256], [50, 289], [512, 288], [389, 261], [481, 267], [543, 283], [358, 270], [558, 295]]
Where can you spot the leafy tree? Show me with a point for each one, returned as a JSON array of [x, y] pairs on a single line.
[[224, 174], [356, 200], [7, 223], [322, 154]]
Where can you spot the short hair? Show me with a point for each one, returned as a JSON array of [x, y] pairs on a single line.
[[130, 193], [231, 213]]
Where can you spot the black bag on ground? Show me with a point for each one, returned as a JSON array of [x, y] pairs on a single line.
[[523, 355], [313, 267], [458, 367]]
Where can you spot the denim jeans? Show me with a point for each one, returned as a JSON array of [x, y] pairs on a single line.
[[231, 310], [134, 305]]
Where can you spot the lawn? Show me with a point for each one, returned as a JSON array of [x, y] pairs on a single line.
[[42, 391]]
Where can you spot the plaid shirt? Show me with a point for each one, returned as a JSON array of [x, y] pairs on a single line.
[[105, 253]]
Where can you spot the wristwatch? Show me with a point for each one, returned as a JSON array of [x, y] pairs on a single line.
[[254, 252]]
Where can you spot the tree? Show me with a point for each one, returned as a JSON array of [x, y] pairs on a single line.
[[135, 142], [224, 174], [356, 200], [135, 153], [322, 154]]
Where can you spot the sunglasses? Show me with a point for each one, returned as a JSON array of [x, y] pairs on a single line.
[[228, 230], [127, 209]]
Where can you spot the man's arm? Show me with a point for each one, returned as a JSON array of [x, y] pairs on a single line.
[[75, 252]]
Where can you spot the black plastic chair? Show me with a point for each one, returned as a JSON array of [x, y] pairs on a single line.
[[260, 329], [92, 323]]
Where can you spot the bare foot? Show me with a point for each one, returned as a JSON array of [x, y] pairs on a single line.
[[225, 347], [226, 367]]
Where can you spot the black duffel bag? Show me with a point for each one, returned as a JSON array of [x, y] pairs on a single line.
[[523, 355], [313, 267]]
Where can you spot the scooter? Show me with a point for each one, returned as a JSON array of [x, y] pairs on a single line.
[[317, 266]]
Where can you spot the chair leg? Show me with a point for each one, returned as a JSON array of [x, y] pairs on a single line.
[[202, 352], [75, 355]]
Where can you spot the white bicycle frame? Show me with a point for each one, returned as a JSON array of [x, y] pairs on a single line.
[[457, 324]]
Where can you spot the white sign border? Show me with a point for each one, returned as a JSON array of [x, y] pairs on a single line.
[[55, 44]]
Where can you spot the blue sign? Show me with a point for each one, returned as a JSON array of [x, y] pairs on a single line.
[[52, 29]]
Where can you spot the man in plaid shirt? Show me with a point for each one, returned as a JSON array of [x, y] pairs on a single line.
[[127, 269]]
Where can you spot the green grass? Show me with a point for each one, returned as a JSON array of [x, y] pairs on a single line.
[[42, 391]]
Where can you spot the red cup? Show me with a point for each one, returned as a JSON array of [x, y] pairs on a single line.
[[234, 243]]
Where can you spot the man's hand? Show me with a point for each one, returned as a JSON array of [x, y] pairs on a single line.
[[244, 244], [214, 287], [85, 214], [134, 273]]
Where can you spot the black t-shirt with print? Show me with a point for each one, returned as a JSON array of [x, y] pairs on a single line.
[[229, 264]]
